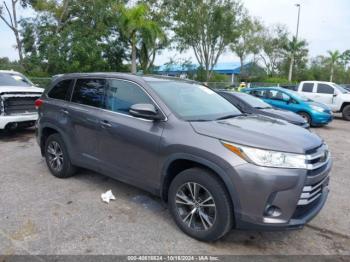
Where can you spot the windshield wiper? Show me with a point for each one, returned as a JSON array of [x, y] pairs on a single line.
[[260, 107], [228, 116]]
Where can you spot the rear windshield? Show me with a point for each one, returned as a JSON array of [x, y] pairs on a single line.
[[253, 101], [8, 79]]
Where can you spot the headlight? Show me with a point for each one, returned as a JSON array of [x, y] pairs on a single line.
[[317, 108], [267, 158]]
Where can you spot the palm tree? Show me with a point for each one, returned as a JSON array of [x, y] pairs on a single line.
[[293, 48], [334, 58], [136, 25]]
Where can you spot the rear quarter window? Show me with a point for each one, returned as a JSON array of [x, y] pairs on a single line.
[[61, 90]]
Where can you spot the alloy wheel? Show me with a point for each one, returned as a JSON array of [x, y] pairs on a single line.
[[55, 156], [196, 206]]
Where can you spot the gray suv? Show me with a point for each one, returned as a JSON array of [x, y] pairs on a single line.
[[216, 168]]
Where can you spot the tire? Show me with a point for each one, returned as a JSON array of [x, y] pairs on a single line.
[[306, 116], [55, 148], [346, 113], [207, 222]]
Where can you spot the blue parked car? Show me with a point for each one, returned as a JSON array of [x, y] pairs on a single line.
[[316, 114]]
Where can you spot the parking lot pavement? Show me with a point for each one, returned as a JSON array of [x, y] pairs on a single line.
[[40, 214]]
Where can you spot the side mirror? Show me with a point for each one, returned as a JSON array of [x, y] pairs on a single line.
[[147, 111], [334, 95]]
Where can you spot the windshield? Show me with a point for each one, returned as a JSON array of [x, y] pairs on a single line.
[[253, 101], [193, 102], [341, 89], [8, 79]]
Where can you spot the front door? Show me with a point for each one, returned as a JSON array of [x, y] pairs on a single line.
[[129, 146], [325, 94]]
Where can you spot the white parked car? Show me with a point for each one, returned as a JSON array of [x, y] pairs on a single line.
[[17, 97], [331, 94]]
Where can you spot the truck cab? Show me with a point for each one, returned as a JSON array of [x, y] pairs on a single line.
[[328, 93]]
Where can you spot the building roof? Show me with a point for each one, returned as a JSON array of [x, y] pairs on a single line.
[[221, 68]]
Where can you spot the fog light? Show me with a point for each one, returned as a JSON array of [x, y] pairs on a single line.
[[273, 211]]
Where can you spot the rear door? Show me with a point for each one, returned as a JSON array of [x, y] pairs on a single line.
[[308, 90], [325, 94], [129, 146], [84, 112]]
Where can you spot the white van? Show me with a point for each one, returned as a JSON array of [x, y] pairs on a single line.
[[331, 94]]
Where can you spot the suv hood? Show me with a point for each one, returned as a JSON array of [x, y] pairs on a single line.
[[20, 89], [261, 132]]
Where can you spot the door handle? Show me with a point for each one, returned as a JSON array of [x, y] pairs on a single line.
[[65, 111], [105, 124]]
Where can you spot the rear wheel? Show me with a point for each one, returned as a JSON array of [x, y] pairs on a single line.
[[306, 116], [200, 204], [57, 158], [346, 113]]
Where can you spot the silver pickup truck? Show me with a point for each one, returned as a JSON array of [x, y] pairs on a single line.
[[17, 97]]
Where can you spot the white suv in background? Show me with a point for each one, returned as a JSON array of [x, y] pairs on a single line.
[[328, 93], [17, 97]]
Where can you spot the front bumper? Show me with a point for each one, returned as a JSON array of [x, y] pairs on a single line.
[[259, 188], [11, 119], [319, 118]]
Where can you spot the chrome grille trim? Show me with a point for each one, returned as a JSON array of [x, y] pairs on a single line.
[[311, 193], [323, 156]]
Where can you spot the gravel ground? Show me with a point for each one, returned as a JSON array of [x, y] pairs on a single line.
[[40, 214]]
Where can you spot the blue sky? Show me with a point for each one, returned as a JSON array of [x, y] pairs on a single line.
[[325, 24]]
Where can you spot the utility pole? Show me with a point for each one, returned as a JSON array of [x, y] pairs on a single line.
[[290, 74], [298, 5]]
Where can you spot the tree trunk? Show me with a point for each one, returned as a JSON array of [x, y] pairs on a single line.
[[332, 73], [16, 31], [19, 47], [133, 55], [290, 75], [241, 68]]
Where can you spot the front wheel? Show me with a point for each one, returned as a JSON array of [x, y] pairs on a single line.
[[346, 113], [306, 116], [200, 204]]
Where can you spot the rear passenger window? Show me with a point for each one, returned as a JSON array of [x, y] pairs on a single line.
[[325, 89], [308, 87], [61, 90], [121, 95], [89, 92]]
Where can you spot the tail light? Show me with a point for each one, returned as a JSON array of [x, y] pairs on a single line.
[[38, 103]]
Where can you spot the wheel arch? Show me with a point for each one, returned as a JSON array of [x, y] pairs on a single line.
[[180, 162], [344, 105], [46, 131]]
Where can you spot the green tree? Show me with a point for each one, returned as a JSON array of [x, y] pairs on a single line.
[[249, 42], [73, 35], [138, 27], [206, 26], [9, 16], [295, 49], [274, 40], [334, 59]]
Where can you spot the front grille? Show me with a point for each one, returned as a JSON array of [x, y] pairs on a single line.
[[313, 192], [318, 158], [19, 105]]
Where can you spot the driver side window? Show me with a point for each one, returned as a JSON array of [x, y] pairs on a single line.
[[121, 95], [325, 89]]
